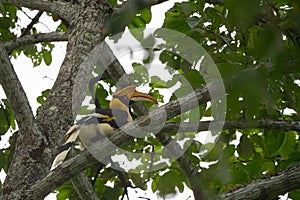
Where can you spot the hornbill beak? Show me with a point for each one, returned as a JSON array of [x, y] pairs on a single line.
[[133, 95]]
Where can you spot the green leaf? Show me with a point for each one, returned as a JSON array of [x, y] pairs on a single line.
[[138, 33], [154, 186], [99, 186], [245, 147], [140, 74], [242, 12], [6, 23], [62, 28], [197, 113], [214, 152], [101, 94], [238, 177], [63, 194], [45, 93], [3, 159], [295, 194], [145, 14], [288, 144], [4, 123], [193, 21], [273, 141], [156, 82], [9, 112], [252, 37], [267, 166], [112, 193], [173, 81], [194, 78], [113, 2], [168, 182], [293, 160], [40, 99], [175, 21], [138, 181], [138, 23], [10, 9], [66, 192], [47, 57], [254, 167], [156, 95]]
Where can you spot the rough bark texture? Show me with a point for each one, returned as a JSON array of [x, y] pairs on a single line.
[[33, 39], [33, 155], [83, 187], [268, 187], [63, 9], [26, 164]]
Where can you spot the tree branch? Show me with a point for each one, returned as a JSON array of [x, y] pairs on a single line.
[[34, 39], [136, 5], [14, 91], [268, 187], [219, 2], [232, 124], [122, 15], [63, 9], [83, 186], [33, 21], [29, 141]]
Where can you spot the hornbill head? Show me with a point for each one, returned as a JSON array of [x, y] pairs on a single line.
[[123, 98], [128, 94]]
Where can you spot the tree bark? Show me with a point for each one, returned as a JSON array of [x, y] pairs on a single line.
[[33, 155], [62, 9], [26, 165], [34, 39], [268, 187]]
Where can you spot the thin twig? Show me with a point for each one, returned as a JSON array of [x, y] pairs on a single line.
[[33, 21]]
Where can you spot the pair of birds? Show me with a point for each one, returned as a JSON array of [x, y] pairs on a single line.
[[102, 122]]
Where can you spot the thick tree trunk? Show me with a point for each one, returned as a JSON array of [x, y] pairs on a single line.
[[32, 158]]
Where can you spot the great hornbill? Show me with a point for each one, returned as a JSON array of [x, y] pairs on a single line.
[[102, 122]]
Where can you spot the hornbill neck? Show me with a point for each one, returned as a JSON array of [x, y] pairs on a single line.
[[121, 104]]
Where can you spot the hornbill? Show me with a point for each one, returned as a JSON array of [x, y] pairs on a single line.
[[102, 122]]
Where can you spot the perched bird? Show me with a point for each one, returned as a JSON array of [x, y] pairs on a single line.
[[102, 122]]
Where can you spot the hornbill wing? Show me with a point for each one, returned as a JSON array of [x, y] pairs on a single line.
[[90, 128], [114, 117], [71, 137]]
